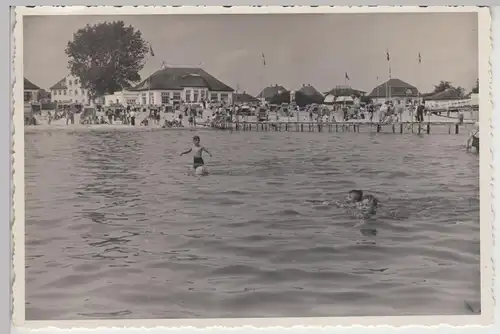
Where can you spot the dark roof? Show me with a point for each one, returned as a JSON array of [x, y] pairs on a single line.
[[61, 84], [345, 91], [312, 92], [301, 99], [271, 91], [244, 98], [176, 78], [447, 94], [396, 88], [28, 85]]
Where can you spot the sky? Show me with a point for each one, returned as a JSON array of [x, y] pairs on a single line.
[[316, 49]]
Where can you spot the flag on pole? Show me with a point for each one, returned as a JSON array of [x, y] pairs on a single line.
[[151, 50], [346, 76], [263, 59], [388, 56], [419, 58]]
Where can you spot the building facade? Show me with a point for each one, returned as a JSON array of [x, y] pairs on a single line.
[[395, 90], [182, 84], [125, 97], [69, 90], [30, 91]]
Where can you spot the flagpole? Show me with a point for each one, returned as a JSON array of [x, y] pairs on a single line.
[[387, 88]]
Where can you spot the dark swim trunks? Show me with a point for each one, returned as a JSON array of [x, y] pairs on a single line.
[[197, 162]]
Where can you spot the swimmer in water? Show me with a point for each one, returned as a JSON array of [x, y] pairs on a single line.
[[198, 150], [364, 206]]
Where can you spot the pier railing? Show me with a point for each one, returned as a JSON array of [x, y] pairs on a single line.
[[401, 128]]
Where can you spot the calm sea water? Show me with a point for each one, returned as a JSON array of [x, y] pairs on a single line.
[[116, 228]]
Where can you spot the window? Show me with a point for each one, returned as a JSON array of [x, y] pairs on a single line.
[[65, 92], [130, 101], [76, 81], [151, 98], [70, 83], [143, 98], [224, 97], [59, 92], [188, 95], [214, 97], [70, 92], [54, 92], [76, 91], [27, 96], [196, 95], [177, 96], [164, 97], [202, 94]]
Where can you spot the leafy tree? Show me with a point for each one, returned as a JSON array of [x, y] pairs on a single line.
[[443, 85], [460, 91], [475, 90], [106, 57]]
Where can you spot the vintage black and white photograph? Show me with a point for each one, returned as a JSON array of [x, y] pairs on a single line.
[[252, 165]]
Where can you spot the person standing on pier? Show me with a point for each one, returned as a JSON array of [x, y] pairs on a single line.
[[399, 108], [420, 112], [132, 117]]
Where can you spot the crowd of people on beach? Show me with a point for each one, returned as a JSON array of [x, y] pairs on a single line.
[[219, 114]]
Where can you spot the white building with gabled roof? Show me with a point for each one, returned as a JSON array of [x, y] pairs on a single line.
[[69, 90]]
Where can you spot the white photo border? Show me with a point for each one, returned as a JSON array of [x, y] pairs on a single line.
[[486, 172]]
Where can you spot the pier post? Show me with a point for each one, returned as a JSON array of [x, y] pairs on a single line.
[[301, 127], [419, 127], [456, 128], [336, 128], [449, 129], [378, 127], [393, 128], [401, 128], [429, 128]]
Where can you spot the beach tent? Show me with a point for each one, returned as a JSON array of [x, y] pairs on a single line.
[[344, 99], [329, 99]]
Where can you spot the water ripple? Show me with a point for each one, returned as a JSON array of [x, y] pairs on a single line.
[[117, 228]]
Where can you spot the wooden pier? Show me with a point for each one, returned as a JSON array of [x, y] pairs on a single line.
[[401, 128]]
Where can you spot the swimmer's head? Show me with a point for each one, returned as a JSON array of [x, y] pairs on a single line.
[[196, 140], [354, 196], [369, 204]]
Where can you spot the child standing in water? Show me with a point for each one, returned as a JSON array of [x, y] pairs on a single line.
[[198, 150]]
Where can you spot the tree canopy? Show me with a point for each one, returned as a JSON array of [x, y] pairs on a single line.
[[106, 57], [444, 85], [475, 90]]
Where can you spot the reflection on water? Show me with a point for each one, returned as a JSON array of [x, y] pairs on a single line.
[[116, 228]]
